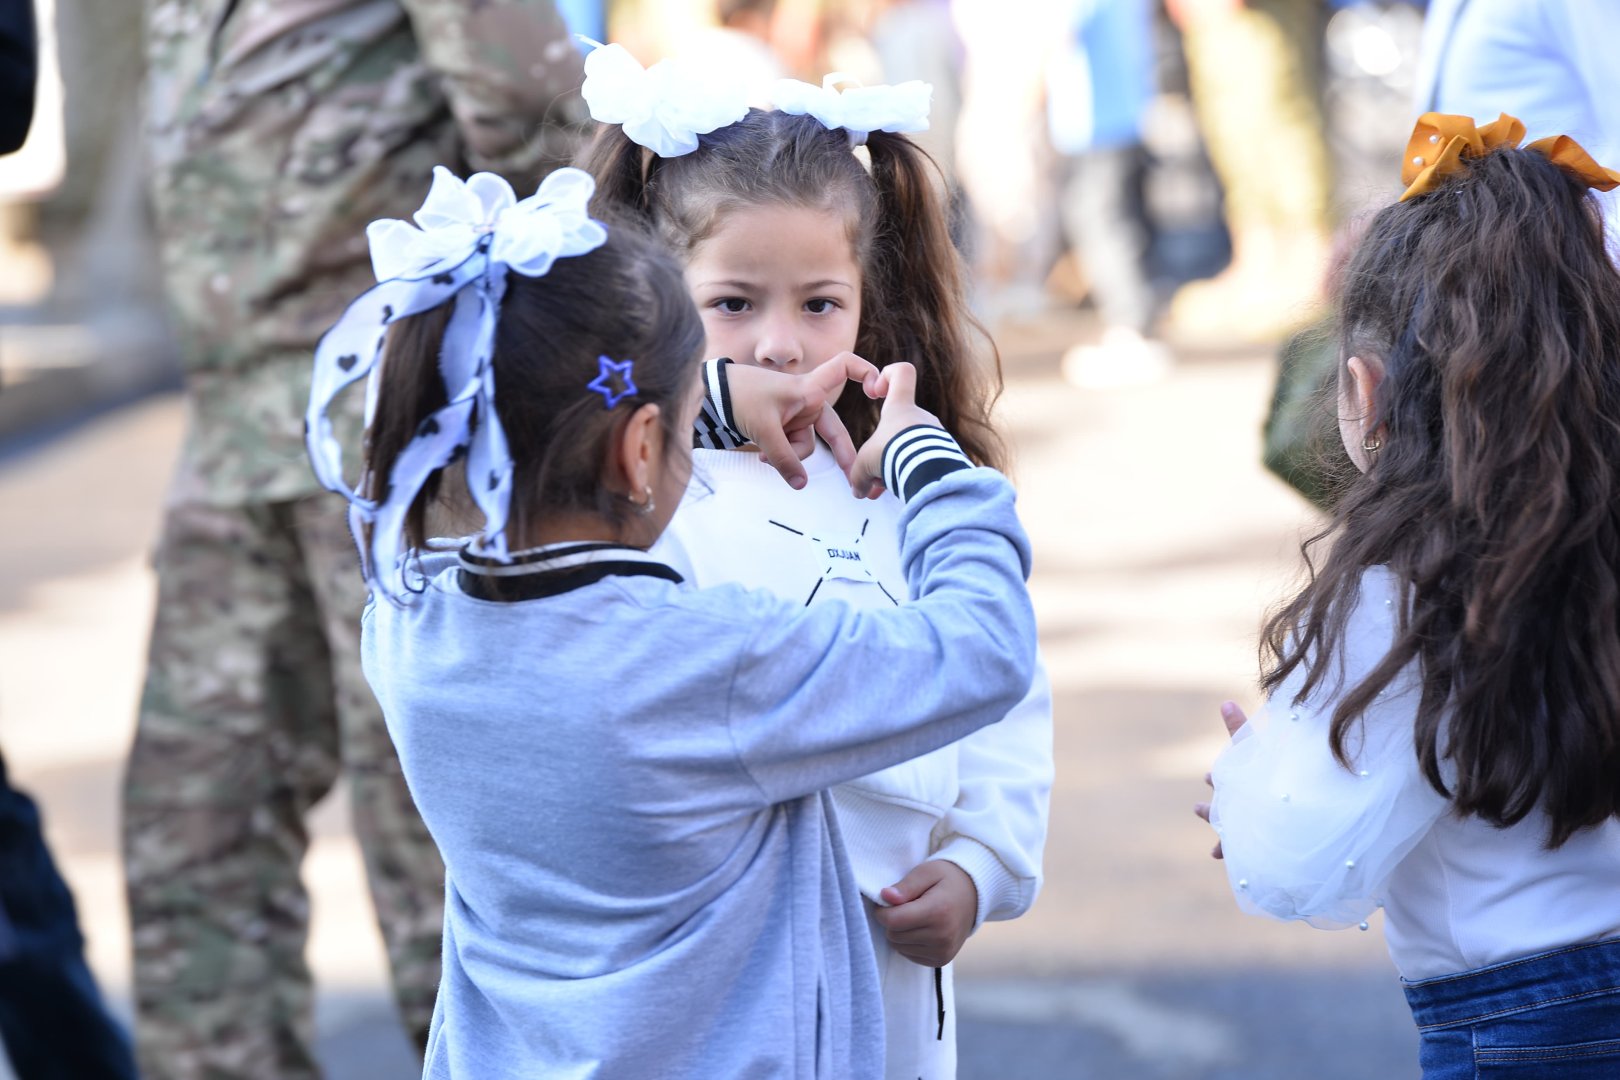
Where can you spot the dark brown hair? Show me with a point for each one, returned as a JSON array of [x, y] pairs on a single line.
[[913, 295], [1494, 499], [626, 300]]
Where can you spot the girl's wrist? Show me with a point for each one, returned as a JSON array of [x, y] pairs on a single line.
[[716, 427]]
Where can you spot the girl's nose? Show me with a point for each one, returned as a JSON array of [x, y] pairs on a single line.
[[777, 347]]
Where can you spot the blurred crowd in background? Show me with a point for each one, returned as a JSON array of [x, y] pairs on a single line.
[[1178, 166]]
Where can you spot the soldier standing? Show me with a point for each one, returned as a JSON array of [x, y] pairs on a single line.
[[278, 129]]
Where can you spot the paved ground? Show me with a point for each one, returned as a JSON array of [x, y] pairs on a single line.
[[1159, 542]]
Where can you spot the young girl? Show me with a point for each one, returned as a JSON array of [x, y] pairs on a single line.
[[625, 774], [796, 253], [1442, 738]]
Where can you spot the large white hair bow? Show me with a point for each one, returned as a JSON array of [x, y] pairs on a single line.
[[859, 110], [664, 107], [467, 236]]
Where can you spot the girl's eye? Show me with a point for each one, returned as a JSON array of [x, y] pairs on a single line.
[[731, 305], [820, 305]]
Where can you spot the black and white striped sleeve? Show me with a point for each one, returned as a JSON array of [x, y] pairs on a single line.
[[716, 428], [917, 457]]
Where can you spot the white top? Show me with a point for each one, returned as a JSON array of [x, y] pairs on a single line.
[[980, 803], [1305, 838], [1551, 63]]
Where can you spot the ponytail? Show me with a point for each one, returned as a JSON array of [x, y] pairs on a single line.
[[413, 391], [917, 299], [620, 169]]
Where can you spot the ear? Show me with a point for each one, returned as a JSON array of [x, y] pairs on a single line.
[[1365, 375], [640, 454]]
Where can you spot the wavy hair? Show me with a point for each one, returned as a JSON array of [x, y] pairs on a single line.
[[913, 295], [1494, 499]]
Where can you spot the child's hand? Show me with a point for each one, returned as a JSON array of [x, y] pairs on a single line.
[[1234, 719], [897, 385], [931, 913], [782, 413]]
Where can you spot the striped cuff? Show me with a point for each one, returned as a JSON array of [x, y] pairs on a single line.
[[716, 428], [917, 457]]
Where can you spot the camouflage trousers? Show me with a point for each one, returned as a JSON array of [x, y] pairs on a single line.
[[253, 702]]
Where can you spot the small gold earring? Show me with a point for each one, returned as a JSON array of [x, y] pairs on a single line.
[[1371, 443]]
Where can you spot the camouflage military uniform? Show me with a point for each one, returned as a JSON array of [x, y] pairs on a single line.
[[278, 129]]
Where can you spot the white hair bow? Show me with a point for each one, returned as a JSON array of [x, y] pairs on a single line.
[[467, 235], [664, 107], [859, 110]]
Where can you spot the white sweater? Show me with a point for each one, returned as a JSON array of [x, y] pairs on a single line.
[[980, 803], [1306, 838]]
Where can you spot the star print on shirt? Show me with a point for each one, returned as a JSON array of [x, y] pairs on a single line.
[[843, 560]]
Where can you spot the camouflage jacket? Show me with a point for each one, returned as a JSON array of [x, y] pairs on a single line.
[[277, 129]]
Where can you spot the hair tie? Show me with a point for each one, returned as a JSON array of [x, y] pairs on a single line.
[[663, 108], [859, 110], [1440, 141], [467, 236]]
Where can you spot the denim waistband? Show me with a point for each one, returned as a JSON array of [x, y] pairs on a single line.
[[1470, 996]]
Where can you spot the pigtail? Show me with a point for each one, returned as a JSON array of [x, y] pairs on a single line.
[[620, 168], [916, 305], [411, 390]]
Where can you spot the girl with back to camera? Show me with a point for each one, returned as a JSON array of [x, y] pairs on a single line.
[[1442, 738], [797, 253], [625, 774]]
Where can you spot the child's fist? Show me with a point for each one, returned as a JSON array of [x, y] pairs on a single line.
[[931, 913]]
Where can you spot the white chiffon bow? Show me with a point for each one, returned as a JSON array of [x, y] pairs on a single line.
[[859, 110], [466, 236], [664, 107]]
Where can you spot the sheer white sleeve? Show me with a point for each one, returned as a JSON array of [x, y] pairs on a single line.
[[1304, 837]]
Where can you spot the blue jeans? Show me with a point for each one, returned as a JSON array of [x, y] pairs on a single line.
[[1554, 1016], [52, 1020]]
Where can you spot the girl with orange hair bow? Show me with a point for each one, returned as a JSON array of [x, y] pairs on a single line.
[[1442, 738]]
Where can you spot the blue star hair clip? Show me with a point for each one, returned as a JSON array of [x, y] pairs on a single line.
[[603, 383]]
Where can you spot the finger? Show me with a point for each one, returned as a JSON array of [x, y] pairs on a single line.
[[803, 440], [858, 368], [900, 379], [830, 426], [928, 958], [873, 384], [1215, 852], [908, 919], [1209, 778], [872, 489], [1233, 716], [918, 880], [774, 445], [827, 380], [1202, 810], [927, 937]]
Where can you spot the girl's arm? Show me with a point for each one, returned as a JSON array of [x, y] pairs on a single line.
[[1302, 836], [832, 693], [996, 831]]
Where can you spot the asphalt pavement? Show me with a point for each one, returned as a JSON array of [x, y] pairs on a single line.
[[1159, 543]]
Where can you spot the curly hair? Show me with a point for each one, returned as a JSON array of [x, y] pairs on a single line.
[[1494, 500]]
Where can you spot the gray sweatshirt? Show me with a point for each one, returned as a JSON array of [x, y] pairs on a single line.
[[627, 775]]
